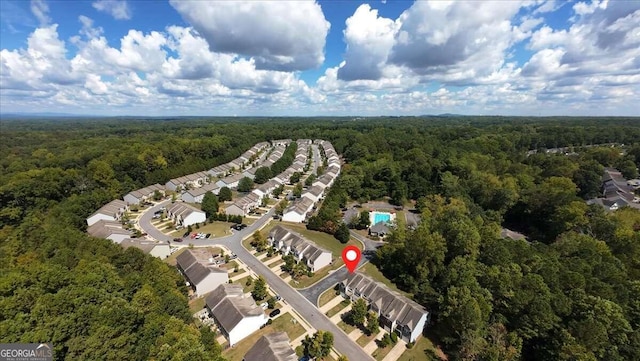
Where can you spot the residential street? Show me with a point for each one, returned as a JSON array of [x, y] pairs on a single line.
[[301, 304]]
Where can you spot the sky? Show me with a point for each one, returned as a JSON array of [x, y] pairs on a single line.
[[309, 58]]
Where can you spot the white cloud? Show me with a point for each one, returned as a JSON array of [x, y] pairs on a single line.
[[95, 84], [119, 9], [279, 35], [40, 10], [369, 39]]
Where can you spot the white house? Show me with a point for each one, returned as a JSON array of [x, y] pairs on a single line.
[[155, 249], [111, 230], [314, 193], [396, 312], [244, 205], [112, 211], [298, 210], [197, 267], [230, 181], [235, 313], [273, 346], [185, 214], [266, 189], [302, 249]]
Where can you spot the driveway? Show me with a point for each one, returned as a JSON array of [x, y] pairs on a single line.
[[147, 227]]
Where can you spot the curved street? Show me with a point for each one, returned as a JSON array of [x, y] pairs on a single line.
[[303, 306]]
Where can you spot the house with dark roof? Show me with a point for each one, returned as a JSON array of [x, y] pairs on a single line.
[[396, 312], [379, 229], [112, 211], [302, 249], [617, 192], [198, 268], [111, 230], [315, 193], [185, 214], [298, 210], [271, 347], [155, 249], [235, 313], [197, 194], [144, 194]]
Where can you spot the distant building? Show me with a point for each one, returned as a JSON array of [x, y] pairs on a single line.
[[396, 312], [235, 313], [617, 192], [143, 195], [271, 347]]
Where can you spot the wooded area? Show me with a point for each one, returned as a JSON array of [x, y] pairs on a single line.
[[571, 293]]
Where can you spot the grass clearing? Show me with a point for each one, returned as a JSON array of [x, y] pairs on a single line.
[[197, 304], [327, 296], [364, 339], [281, 324], [372, 271], [243, 282], [423, 350], [380, 353], [337, 308], [217, 229]]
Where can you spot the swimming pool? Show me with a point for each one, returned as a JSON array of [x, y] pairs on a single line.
[[377, 217]]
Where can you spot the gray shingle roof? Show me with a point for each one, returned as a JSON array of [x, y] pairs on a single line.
[[229, 306], [272, 347]]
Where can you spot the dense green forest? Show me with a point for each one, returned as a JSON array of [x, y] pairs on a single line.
[[571, 292]]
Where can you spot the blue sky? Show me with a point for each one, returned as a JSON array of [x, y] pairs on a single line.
[[305, 57]]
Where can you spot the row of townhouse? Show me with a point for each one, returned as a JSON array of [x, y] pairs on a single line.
[[234, 312], [106, 223], [143, 195], [201, 273], [246, 160], [197, 194], [395, 312], [617, 191], [276, 154], [183, 214], [302, 207], [194, 180], [302, 249]]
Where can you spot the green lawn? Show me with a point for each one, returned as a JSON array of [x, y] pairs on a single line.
[[364, 339], [305, 281], [243, 282], [273, 263], [372, 271], [401, 220], [217, 229], [346, 327], [322, 239], [337, 308], [281, 324], [327, 296], [197, 304], [423, 350], [380, 353]]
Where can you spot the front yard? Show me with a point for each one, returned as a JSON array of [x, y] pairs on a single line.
[[217, 229], [283, 323]]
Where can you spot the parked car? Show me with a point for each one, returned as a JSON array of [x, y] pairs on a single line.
[[264, 305], [207, 235], [278, 298], [177, 239], [186, 234], [274, 313], [193, 235]]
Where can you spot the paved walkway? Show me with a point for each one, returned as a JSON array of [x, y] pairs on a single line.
[[337, 317], [355, 334], [372, 346], [334, 302], [396, 351]]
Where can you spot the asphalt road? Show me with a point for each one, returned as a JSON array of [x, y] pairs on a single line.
[[300, 304]]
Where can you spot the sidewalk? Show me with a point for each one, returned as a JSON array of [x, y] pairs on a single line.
[[337, 317], [396, 351], [334, 302], [372, 346]]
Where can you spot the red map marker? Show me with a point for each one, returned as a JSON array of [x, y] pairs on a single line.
[[351, 257]]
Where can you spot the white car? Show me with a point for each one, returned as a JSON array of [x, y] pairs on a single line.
[[264, 305]]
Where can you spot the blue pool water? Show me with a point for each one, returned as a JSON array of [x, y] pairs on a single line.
[[381, 217]]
